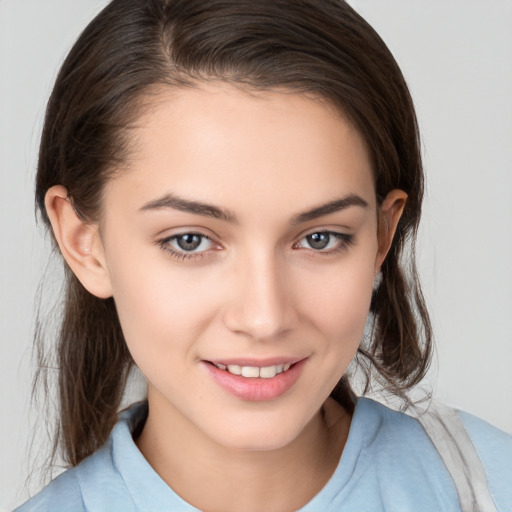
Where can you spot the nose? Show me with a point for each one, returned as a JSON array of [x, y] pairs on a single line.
[[261, 306]]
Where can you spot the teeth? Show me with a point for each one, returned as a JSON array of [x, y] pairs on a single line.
[[234, 369], [250, 371], [265, 372]]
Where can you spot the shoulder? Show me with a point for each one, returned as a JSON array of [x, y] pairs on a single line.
[[388, 463], [390, 428], [92, 485], [61, 495], [116, 477], [406, 442], [494, 448], [398, 440], [95, 484], [488, 440]]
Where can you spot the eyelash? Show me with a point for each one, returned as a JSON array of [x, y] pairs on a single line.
[[344, 242], [185, 255]]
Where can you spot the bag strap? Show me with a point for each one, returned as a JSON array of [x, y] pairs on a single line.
[[447, 433]]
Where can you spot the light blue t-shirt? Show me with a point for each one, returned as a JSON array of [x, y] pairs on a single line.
[[388, 464]]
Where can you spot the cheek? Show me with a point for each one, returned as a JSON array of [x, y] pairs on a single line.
[[161, 311], [338, 304], [338, 310]]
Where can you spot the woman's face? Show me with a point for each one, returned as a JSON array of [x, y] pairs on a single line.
[[242, 238]]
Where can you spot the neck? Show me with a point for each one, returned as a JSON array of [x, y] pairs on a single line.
[[213, 477]]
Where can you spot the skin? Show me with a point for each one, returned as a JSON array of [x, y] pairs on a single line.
[[256, 288]]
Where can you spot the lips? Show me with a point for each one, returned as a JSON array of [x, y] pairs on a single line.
[[255, 381]]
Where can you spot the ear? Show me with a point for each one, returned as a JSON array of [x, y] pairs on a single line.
[[388, 216], [79, 242]]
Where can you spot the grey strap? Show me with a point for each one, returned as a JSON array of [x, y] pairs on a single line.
[[446, 431]]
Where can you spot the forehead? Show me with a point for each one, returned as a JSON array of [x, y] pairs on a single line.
[[217, 143]]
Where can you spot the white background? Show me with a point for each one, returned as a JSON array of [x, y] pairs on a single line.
[[457, 58]]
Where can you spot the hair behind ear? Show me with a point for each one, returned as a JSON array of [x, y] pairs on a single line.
[[401, 345], [94, 364]]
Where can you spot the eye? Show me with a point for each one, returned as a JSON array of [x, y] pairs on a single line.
[[325, 241], [190, 242], [187, 245]]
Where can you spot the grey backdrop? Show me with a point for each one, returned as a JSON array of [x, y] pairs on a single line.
[[457, 58]]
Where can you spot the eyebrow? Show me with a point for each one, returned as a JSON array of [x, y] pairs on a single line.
[[188, 206], [331, 207], [209, 210]]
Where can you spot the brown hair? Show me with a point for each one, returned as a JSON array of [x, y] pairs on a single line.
[[319, 47]]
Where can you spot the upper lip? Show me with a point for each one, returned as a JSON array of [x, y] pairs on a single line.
[[257, 362]]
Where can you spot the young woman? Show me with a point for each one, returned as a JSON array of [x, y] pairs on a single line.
[[235, 188]]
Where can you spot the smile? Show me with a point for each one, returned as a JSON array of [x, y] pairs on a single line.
[[264, 372], [247, 381]]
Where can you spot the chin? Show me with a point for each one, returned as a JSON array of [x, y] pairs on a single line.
[[259, 444], [257, 434]]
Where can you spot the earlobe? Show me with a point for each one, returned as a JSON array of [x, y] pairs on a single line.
[[389, 214], [79, 242]]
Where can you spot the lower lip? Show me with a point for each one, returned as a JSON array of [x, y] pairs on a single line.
[[255, 388]]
